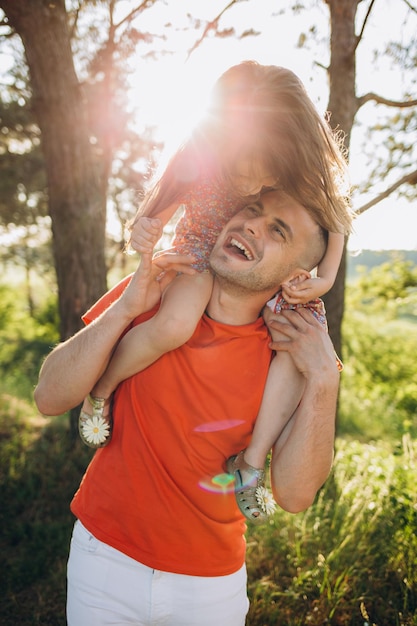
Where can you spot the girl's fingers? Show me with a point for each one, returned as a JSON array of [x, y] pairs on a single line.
[[145, 234]]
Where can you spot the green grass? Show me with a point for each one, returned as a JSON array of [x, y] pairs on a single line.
[[352, 554], [39, 474]]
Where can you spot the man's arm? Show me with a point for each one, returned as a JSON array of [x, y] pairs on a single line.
[[71, 369], [303, 455]]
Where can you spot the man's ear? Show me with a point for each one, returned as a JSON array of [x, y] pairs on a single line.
[[297, 276]]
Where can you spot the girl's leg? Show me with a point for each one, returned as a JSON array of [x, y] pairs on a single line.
[[283, 391], [282, 394], [183, 304]]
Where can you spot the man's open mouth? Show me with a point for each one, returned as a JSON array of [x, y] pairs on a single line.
[[240, 248]]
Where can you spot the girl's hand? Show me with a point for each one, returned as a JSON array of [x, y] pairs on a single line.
[[145, 234], [300, 292], [154, 273]]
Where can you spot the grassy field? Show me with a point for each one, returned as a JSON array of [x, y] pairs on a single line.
[[351, 559]]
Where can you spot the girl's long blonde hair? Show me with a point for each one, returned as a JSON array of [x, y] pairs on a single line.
[[262, 114]]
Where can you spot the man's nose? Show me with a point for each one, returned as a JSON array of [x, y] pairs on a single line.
[[254, 226]]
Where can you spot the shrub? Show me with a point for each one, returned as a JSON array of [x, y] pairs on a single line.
[[378, 396], [24, 340]]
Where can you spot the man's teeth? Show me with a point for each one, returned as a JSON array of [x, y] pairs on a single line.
[[245, 251]]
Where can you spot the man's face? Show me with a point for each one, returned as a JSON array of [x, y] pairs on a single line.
[[262, 244]]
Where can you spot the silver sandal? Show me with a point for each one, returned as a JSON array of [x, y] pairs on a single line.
[[253, 499], [95, 429]]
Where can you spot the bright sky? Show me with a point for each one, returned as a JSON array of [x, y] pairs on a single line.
[[170, 92]]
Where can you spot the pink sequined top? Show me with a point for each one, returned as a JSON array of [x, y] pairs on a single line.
[[208, 207]]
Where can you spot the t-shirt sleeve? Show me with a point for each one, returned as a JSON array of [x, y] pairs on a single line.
[[105, 301]]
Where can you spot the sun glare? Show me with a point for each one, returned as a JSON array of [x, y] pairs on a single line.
[[175, 98], [171, 93]]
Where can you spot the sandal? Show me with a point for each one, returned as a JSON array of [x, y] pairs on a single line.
[[253, 499], [95, 429]]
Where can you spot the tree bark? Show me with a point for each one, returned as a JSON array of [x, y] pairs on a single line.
[[77, 203], [342, 106]]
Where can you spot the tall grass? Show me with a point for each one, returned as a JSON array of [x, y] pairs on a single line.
[[352, 557], [352, 554], [39, 473]]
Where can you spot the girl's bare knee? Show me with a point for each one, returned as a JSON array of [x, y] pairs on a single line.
[[169, 332]]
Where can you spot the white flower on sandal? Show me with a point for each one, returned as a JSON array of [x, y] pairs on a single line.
[[265, 500], [95, 430]]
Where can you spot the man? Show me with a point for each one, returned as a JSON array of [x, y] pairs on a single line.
[[160, 539]]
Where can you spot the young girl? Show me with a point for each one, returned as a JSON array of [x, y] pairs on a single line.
[[262, 131]]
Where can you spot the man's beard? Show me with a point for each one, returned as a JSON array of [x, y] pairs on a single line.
[[246, 283]]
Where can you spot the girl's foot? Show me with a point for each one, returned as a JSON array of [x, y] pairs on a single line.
[[95, 422], [253, 499]]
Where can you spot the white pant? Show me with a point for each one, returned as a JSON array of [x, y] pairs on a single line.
[[107, 587]]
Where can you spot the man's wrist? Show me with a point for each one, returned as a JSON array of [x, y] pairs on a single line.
[[125, 314], [324, 378]]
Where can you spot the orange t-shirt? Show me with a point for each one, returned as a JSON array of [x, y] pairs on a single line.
[[158, 492]]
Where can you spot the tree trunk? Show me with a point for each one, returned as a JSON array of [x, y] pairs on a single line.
[[76, 197], [343, 107]]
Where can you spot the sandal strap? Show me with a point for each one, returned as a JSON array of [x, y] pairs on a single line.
[[96, 403], [238, 463], [95, 429]]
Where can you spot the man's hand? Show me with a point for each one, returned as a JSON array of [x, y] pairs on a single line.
[[151, 278], [274, 329], [306, 340]]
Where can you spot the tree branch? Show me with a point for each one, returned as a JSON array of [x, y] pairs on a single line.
[[410, 179], [389, 103], [368, 13], [211, 26], [129, 17], [410, 6]]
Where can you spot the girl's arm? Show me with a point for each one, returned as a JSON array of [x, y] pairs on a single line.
[[302, 292], [329, 265]]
